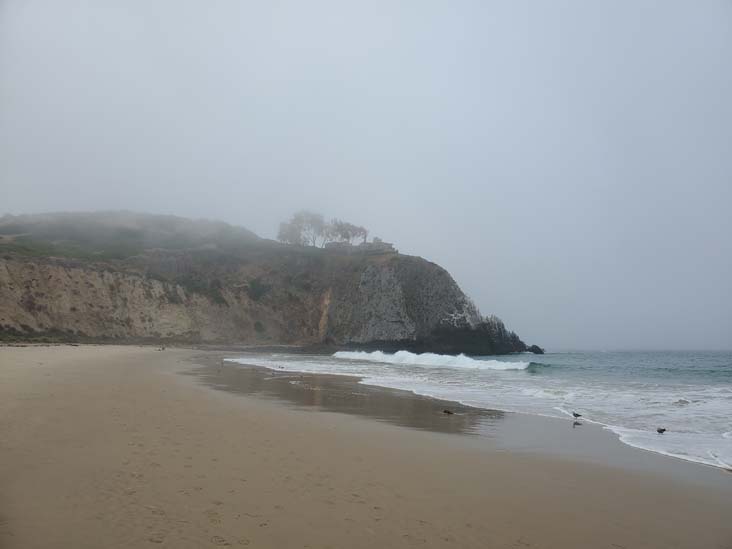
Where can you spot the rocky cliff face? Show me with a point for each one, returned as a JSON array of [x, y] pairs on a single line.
[[256, 292], [396, 298], [56, 297]]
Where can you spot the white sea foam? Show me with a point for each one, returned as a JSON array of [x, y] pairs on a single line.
[[698, 447], [630, 407], [430, 360]]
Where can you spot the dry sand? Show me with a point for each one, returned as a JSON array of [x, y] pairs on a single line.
[[105, 446]]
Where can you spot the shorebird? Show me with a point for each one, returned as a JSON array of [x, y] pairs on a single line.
[[447, 412], [576, 415], [661, 430]]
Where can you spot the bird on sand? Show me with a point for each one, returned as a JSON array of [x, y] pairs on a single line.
[[449, 412], [576, 415], [661, 430]]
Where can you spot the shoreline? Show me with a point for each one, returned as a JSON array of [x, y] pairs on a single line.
[[227, 349], [500, 429], [110, 446], [623, 434]]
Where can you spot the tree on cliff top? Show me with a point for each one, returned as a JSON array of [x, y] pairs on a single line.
[[347, 232], [310, 229], [304, 229]]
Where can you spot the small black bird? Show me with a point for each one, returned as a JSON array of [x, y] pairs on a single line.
[[576, 415], [660, 430], [447, 412]]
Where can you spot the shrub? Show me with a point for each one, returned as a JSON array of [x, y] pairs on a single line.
[[257, 289]]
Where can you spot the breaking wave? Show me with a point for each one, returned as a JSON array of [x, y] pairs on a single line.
[[430, 360], [621, 391]]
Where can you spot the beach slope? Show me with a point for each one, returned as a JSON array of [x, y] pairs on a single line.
[[105, 446]]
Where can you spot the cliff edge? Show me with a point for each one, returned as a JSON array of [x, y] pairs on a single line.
[[133, 277]]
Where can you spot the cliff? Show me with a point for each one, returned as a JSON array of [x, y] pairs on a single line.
[[134, 277]]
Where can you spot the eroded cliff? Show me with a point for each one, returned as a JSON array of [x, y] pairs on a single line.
[[233, 289]]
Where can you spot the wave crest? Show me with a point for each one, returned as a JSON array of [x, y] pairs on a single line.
[[430, 360]]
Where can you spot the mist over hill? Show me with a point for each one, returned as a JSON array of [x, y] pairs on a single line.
[[131, 276]]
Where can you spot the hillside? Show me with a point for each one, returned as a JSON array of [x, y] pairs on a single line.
[[136, 277]]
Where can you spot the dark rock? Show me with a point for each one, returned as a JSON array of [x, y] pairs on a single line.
[[536, 350], [489, 337]]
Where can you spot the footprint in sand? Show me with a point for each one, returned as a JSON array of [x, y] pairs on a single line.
[[219, 541], [213, 516], [156, 538], [157, 511]]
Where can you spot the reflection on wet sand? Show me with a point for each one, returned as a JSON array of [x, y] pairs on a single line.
[[504, 430], [344, 394]]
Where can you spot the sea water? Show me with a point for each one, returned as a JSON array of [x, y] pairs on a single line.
[[629, 393]]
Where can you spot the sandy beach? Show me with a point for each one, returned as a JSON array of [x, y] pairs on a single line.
[[110, 446]]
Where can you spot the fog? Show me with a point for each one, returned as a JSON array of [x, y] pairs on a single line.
[[570, 163]]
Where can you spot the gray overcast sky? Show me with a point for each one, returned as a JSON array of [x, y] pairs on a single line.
[[569, 162]]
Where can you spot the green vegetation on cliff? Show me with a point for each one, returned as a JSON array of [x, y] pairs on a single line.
[[133, 276]]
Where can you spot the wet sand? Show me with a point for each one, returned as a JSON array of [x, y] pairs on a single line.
[[112, 447], [489, 429]]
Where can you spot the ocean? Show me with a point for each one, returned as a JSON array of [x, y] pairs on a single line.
[[629, 393]]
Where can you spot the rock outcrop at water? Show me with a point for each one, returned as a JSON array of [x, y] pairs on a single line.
[[131, 277]]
